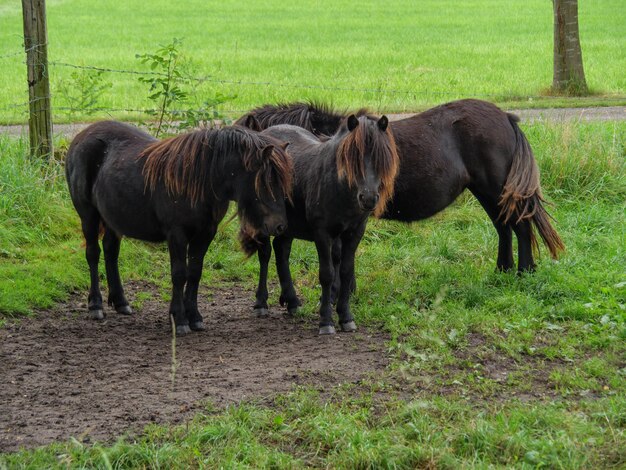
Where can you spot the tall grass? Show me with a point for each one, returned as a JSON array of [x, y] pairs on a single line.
[[33, 206], [581, 161], [35, 226]]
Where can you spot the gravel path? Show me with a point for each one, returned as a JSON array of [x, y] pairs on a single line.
[[609, 113]]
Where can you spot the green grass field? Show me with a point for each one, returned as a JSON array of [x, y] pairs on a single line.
[[403, 56], [564, 327]]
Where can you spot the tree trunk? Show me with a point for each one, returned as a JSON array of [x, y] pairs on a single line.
[[569, 75]]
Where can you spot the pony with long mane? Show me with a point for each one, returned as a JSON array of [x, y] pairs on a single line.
[[467, 144], [124, 182], [338, 183]]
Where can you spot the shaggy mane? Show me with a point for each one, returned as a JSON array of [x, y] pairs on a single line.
[[188, 163], [301, 114]]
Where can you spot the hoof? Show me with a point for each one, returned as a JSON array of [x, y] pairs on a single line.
[[96, 314], [261, 312], [197, 326], [124, 310], [349, 327], [327, 330], [291, 312], [182, 330]]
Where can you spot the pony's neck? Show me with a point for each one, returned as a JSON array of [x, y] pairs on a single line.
[[225, 179]]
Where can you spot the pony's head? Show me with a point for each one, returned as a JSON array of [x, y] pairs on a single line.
[[323, 121], [261, 193], [368, 160], [233, 162]]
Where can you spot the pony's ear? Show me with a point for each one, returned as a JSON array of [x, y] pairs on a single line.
[[252, 123], [353, 122], [383, 122], [284, 145], [267, 152]]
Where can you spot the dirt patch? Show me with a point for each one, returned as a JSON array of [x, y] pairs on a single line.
[[65, 375]]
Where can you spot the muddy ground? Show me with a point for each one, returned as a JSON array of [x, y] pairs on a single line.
[[65, 375]]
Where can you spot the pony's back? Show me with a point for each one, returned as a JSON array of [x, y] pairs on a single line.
[[317, 118]]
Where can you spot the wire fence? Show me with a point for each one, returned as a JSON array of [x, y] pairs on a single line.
[[238, 83]]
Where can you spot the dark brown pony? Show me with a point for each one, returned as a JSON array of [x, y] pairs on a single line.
[[338, 184], [317, 118], [176, 190], [466, 144]]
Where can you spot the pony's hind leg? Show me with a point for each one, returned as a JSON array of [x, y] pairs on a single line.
[[111, 245], [505, 260], [197, 250], [523, 232], [288, 296], [264, 253], [91, 226]]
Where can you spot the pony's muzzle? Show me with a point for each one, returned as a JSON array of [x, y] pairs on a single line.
[[368, 200], [274, 229]]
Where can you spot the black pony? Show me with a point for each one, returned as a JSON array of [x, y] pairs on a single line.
[[466, 144], [337, 185], [126, 183]]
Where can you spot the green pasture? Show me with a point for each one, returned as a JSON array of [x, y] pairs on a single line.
[[432, 286], [389, 56]]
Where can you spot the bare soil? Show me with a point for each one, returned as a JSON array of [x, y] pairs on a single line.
[[66, 375]]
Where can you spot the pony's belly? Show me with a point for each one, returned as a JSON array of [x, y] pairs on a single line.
[[299, 232], [420, 198], [417, 208], [133, 225], [129, 216]]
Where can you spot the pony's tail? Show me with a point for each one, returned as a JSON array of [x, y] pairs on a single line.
[[521, 198], [249, 243]]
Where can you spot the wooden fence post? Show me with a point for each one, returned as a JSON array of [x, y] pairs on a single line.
[[36, 45]]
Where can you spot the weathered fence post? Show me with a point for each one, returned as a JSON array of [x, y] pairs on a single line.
[[36, 45]]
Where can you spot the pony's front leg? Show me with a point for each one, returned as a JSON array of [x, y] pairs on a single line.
[[288, 296], [350, 242], [197, 249], [336, 255], [264, 253], [177, 244], [326, 275]]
